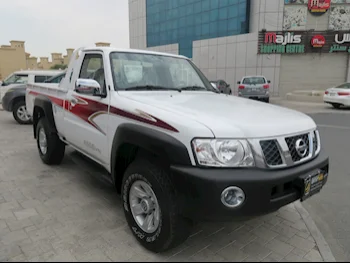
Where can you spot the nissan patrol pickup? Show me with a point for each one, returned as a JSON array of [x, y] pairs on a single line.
[[154, 123]]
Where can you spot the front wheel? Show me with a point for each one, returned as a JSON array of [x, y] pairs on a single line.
[[20, 113], [150, 207], [51, 148]]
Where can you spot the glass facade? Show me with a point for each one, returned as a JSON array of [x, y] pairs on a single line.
[[184, 21]]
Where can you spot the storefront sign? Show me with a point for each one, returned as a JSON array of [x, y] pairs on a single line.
[[319, 7], [318, 41], [282, 43], [296, 42]]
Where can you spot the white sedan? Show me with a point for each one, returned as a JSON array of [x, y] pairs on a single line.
[[338, 96]]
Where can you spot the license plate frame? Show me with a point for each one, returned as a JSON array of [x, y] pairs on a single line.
[[313, 184]]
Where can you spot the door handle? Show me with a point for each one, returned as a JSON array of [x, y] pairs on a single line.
[[72, 103]]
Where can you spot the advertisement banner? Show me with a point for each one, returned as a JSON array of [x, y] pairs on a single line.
[[319, 7], [301, 42]]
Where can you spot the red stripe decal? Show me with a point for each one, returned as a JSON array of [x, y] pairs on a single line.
[[87, 110]]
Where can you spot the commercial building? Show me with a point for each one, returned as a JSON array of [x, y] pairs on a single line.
[[297, 44]]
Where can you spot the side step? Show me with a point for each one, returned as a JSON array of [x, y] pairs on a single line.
[[90, 166]]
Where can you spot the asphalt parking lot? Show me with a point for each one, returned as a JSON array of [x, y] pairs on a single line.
[[64, 213], [331, 208]]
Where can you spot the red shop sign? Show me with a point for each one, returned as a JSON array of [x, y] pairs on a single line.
[[318, 41], [319, 6]]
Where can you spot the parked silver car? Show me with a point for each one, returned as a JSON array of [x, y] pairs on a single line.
[[254, 87], [222, 86]]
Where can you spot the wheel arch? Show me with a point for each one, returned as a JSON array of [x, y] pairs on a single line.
[[133, 141], [43, 107]]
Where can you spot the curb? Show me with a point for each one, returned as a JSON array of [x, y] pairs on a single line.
[[322, 244]]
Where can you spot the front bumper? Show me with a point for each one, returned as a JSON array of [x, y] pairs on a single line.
[[265, 190], [255, 97]]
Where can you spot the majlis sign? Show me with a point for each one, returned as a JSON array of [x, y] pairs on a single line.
[[300, 42], [319, 7]]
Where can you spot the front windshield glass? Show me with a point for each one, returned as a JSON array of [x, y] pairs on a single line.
[[254, 80], [134, 70], [16, 79]]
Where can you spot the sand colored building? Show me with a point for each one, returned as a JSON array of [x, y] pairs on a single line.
[[13, 57], [102, 44]]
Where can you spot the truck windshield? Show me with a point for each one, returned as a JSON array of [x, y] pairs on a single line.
[[16, 79], [254, 80], [133, 71]]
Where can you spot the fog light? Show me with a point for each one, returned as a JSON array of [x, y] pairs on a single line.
[[232, 197]]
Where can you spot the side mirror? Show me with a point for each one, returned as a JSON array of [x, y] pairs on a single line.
[[269, 81], [88, 87], [228, 85], [238, 82]]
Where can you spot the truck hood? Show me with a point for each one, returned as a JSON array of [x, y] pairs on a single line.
[[227, 116]]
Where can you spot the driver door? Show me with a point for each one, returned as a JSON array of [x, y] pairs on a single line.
[[86, 115]]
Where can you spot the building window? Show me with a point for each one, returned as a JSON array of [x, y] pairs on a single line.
[[184, 21]]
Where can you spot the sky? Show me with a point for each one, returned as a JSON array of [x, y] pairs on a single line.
[[49, 26]]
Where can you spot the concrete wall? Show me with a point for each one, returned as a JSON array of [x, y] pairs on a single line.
[[231, 58], [318, 72]]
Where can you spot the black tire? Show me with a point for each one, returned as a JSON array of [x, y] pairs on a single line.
[[267, 100], [15, 112], [173, 229], [55, 147], [336, 106]]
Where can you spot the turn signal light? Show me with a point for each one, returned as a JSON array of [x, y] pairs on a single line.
[[343, 93], [266, 86], [241, 87]]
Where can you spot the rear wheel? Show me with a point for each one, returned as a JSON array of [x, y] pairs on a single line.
[[267, 100], [20, 113], [51, 148], [150, 207], [336, 106]]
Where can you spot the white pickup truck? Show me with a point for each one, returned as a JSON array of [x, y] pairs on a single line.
[[177, 151]]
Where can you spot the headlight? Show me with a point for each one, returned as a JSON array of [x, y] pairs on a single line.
[[223, 152]]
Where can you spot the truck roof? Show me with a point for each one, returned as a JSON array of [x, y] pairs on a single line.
[[129, 50]]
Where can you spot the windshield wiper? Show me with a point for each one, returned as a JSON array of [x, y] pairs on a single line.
[[198, 88], [151, 87], [193, 88]]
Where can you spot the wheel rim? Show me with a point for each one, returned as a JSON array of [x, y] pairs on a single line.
[[22, 113], [42, 141], [144, 206]]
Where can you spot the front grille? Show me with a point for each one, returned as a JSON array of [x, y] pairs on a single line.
[[271, 152], [315, 142], [291, 142]]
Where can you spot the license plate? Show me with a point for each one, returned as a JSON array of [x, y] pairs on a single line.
[[313, 183], [332, 94]]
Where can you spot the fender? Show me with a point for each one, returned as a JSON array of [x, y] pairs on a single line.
[[156, 142], [45, 105]]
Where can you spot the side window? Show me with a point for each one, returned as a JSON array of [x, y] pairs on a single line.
[[343, 86], [57, 79], [92, 68], [41, 79]]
